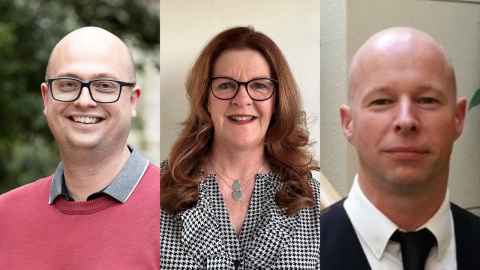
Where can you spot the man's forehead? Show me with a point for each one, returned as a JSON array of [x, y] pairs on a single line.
[[97, 58], [91, 44], [92, 34], [397, 47], [399, 44], [90, 40]]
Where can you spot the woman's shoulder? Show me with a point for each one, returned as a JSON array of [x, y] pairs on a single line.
[[315, 184], [314, 176], [169, 222]]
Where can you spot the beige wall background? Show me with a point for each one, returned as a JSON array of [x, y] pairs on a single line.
[[346, 24], [336, 155], [187, 25]]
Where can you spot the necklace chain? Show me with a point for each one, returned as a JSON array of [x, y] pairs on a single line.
[[236, 186]]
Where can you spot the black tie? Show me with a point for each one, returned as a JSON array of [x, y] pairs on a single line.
[[415, 247]]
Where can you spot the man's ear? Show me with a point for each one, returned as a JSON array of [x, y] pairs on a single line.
[[346, 121], [45, 97], [134, 98], [460, 112]]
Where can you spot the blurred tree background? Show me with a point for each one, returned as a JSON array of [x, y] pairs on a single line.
[[28, 32]]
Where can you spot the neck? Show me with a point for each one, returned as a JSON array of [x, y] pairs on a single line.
[[237, 163], [408, 209], [89, 171]]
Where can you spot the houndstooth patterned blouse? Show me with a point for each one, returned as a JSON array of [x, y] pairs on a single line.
[[203, 238]]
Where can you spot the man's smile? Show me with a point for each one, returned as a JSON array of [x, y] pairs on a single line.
[[86, 119]]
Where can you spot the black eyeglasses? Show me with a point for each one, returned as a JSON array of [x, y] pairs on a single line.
[[102, 91], [258, 89]]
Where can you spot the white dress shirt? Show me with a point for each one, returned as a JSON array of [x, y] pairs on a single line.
[[374, 230]]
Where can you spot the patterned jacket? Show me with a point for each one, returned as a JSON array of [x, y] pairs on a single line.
[[203, 238]]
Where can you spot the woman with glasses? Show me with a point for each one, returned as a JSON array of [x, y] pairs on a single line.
[[237, 192]]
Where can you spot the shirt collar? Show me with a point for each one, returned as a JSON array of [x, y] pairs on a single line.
[[441, 225], [375, 228], [122, 185]]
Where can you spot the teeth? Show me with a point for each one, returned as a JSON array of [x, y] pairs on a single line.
[[86, 119], [241, 117]]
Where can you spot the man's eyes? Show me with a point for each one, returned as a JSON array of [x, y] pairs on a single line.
[[381, 102], [427, 100], [68, 84]]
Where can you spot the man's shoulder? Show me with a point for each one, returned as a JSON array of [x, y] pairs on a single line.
[[465, 219], [36, 189], [150, 180], [334, 219], [467, 237], [333, 211], [340, 239], [153, 169]]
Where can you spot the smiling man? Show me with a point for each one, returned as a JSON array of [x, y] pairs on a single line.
[[101, 207], [403, 117]]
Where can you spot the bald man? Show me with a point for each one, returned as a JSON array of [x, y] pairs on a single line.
[[403, 117], [100, 209]]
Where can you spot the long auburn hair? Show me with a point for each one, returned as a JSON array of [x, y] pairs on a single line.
[[286, 141]]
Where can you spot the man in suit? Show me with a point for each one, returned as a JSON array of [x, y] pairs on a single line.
[[403, 117]]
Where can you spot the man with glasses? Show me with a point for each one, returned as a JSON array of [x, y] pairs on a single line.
[[100, 209]]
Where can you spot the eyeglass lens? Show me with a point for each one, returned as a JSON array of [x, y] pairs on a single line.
[[258, 89]]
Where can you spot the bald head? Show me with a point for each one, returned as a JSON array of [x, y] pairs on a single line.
[[92, 43], [403, 43]]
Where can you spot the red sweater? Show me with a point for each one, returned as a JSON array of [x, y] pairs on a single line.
[[97, 234]]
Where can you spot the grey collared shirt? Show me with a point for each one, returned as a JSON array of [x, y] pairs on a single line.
[[121, 187]]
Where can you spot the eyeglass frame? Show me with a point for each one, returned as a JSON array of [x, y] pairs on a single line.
[[87, 83], [245, 83]]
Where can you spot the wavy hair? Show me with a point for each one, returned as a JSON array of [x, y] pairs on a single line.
[[286, 141]]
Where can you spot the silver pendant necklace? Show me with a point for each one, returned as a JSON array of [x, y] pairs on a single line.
[[236, 186], [237, 190]]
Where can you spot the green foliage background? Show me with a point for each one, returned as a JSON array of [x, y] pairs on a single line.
[[475, 100], [28, 32]]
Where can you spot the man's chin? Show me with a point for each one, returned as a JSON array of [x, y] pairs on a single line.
[[409, 181], [83, 143]]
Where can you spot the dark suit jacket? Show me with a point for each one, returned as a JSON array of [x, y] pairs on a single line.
[[341, 249]]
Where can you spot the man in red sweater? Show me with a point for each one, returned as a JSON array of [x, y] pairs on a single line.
[[101, 207]]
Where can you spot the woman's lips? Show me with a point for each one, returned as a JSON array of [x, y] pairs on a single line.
[[241, 119]]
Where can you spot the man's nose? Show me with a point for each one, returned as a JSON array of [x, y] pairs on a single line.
[[85, 99], [406, 120]]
